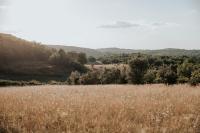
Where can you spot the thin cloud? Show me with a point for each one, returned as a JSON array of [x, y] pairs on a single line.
[[162, 24], [2, 7], [120, 24], [3, 2], [157, 24], [126, 24]]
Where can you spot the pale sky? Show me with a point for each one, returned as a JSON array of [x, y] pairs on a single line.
[[134, 24]]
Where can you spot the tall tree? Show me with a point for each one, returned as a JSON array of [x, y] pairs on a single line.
[[138, 68]]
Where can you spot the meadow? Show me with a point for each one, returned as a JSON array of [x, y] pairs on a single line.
[[100, 109]]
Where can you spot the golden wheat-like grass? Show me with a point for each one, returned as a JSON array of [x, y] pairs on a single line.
[[99, 109]]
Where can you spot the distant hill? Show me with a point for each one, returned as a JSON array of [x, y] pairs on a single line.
[[117, 50], [10, 40], [26, 60], [88, 51], [108, 51], [172, 52]]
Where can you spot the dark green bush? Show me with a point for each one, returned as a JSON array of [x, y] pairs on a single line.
[[138, 68], [74, 78], [167, 76], [91, 59], [182, 80], [90, 78], [10, 83], [34, 82], [150, 77], [185, 70], [18, 83], [110, 76], [195, 78]]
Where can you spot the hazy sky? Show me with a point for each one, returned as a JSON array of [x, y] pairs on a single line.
[[136, 24]]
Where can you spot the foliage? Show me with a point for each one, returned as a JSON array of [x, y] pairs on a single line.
[[167, 75], [74, 78], [19, 83], [138, 68], [150, 77], [26, 60], [22, 61], [90, 78], [82, 59], [185, 70], [99, 76], [110, 76], [195, 78], [91, 59]]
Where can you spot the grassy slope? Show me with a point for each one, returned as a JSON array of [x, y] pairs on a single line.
[[15, 68], [113, 108]]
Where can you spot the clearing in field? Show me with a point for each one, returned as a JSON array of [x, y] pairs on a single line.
[[97, 109]]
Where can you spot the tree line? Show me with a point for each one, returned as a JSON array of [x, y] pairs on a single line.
[[22, 60], [142, 69]]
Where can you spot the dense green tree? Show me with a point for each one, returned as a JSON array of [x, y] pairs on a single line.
[[185, 69], [184, 72], [91, 59], [195, 78], [150, 77], [90, 78], [110, 76], [167, 75], [82, 59], [74, 78], [138, 68]]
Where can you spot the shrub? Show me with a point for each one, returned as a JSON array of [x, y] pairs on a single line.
[[82, 58], [53, 82], [34, 82], [91, 59], [138, 67], [150, 77], [90, 78], [74, 78], [195, 78], [185, 70], [78, 67], [167, 76], [18, 83], [10, 83], [182, 79], [110, 76], [123, 75]]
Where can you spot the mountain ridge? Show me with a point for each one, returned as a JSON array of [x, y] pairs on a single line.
[[113, 50], [109, 51]]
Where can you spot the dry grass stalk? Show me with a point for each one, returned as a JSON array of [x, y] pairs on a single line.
[[99, 109]]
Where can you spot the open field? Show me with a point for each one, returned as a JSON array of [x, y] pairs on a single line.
[[98, 109]]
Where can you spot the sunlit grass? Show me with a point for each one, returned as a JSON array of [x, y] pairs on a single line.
[[110, 108]]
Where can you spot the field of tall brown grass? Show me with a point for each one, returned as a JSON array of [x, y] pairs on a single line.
[[100, 109]]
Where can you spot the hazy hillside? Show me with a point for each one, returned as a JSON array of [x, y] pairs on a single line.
[[88, 51], [16, 49], [25, 60], [117, 50], [168, 51], [9, 40], [172, 52], [107, 51]]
